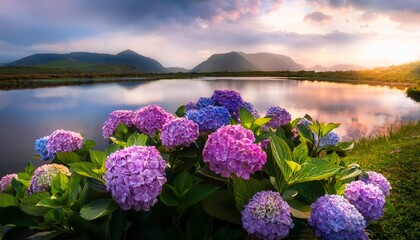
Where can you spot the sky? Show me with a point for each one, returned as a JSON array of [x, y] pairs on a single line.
[[183, 33]]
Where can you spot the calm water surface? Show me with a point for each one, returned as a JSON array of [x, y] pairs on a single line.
[[26, 115]]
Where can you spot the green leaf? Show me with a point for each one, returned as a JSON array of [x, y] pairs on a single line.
[[180, 112], [7, 200], [183, 182], [111, 149], [221, 205], [315, 169], [85, 169], [29, 169], [281, 153], [226, 233], [87, 145], [306, 134], [59, 184], [169, 195], [295, 167], [259, 122], [97, 158], [68, 157], [345, 146], [300, 153], [122, 131], [137, 139], [28, 204], [308, 191], [74, 187], [197, 193], [245, 189], [118, 142], [50, 203], [198, 224], [13, 215], [97, 209], [352, 171], [298, 209], [329, 127], [246, 117]]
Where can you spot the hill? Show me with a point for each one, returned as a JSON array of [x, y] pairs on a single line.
[[226, 62], [127, 58], [272, 62], [336, 67], [177, 70]]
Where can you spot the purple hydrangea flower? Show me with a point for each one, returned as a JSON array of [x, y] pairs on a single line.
[[6, 181], [333, 217], [151, 118], [378, 180], [331, 139], [367, 198], [248, 106], [279, 117], [190, 106], [44, 176], [64, 141], [135, 176], [304, 122], [230, 99], [116, 117], [204, 102], [41, 149], [231, 150], [179, 131], [267, 216], [210, 118]]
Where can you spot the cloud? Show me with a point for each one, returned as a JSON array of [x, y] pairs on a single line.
[[318, 17]]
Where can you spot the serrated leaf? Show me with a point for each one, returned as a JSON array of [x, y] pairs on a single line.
[[197, 193], [7, 200], [50, 203], [245, 189], [85, 169], [315, 169], [295, 167], [246, 117], [68, 157], [329, 127], [121, 131], [97, 209], [300, 153], [87, 145], [28, 204], [348, 173], [221, 205], [298, 209], [118, 142], [111, 149], [259, 122], [180, 112], [97, 158], [183, 182], [29, 169], [281, 153], [306, 134], [137, 139]]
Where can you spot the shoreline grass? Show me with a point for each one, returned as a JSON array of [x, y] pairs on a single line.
[[397, 157]]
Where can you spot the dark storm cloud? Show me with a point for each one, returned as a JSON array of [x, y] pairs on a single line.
[[317, 17], [377, 5]]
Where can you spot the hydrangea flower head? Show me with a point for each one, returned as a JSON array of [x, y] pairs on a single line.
[[116, 117], [331, 139], [279, 117], [367, 198], [6, 181], [190, 106], [304, 122], [231, 150], [64, 141], [179, 132], [204, 102], [248, 106], [267, 216], [135, 176], [151, 118], [41, 149], [230, 99], [333, 217], [44, 176], [378, 180], [209, 118]]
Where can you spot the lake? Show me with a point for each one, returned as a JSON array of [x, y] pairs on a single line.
[[26, 115]]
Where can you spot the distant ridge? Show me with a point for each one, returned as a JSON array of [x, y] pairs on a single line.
[[177, 70], [336, 67], [272, 62], [127, 58]]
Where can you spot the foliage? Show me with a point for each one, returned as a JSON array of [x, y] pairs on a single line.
[[194, 202]]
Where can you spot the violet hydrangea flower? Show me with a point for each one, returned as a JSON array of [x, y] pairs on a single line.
[[231, 150], [333, 217], [179, 132], [378, 180], [151, 118], [6, 181], [279, 117], [64, 141], [230, 99], [41, 149], [210, 118], [248, 106], [331, 139], [190, 106], [367, 198], [267, 216], [116, 117], [135, 176], [44, 176], [204, 102]]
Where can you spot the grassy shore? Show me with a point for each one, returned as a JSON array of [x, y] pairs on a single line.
[[396, 156]]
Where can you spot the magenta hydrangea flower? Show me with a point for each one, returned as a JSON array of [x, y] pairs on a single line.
[[179, 132], [135, 176], [116, 117], [378, 180], [333, 217], [279, 117], [367, 198], [151, 118], [267, 216], [231, 150], [64, 141], [44, 175], [230, 99], [6, 181]]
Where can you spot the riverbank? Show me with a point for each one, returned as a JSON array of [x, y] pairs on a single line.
[[396, 156]]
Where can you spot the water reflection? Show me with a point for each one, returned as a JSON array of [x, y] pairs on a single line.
[[29, 114]]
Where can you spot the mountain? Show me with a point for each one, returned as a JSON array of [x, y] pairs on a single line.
[[126, 58], [177, 70], [336, 67], [272, 62]]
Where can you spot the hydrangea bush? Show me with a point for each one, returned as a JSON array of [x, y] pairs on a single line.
[[214, 169]]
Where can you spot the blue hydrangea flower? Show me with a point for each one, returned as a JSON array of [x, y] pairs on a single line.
[[279, 117], [248, 106], [230, 99], [190, 106], [378, 180], [331, 139], [204, 102], [333, 217], [210, 118], [367, 198], [41, 149], [267, 216]]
